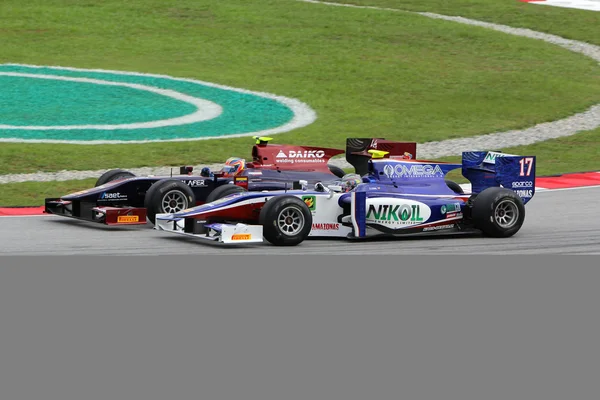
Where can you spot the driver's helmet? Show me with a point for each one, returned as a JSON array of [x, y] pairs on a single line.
[[233, 166], [350, 181]]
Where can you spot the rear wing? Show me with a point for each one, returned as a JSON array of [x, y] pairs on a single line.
[[358, 155], [486, 169], [291, 157]]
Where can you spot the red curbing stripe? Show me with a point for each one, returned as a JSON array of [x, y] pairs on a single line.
[[12, 211], [569, 180]]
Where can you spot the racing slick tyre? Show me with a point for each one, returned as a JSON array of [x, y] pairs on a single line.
[[113, 175], [222, 191], [286, 220], [498, 212], [168, 196], [454, 187], [337, 171]]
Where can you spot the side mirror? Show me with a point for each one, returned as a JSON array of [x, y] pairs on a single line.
[[186, 170]]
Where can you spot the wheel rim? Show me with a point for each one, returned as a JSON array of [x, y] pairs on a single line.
[[506, 214], [174, 201], [290, 221]]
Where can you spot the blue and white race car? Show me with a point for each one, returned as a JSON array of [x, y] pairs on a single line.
[[389, 196]]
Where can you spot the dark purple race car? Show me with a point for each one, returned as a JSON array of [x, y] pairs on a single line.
[[121, 198]]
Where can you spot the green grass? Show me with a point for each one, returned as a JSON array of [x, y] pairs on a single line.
[[388, 74], [569, 23], [34, 193], [366, 73]]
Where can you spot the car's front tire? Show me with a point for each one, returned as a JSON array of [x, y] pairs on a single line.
[[113, 175], [168, 196], [222, 191], [286, 221]]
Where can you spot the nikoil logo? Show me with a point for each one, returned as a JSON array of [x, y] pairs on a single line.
[[397, 214]]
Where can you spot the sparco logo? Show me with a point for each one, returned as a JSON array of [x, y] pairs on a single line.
[[526, 184], [301, 154], [417, 171]]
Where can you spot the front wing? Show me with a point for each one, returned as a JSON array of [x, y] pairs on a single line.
[[214, 232], [93, 213]]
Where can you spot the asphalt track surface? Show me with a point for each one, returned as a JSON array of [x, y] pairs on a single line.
[[557, 221]]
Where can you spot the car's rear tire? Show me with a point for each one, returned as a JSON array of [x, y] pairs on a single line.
[[113, 175], [498, 212], [455, 187], [286, 221], [168, 196], [224, 190], [337, 171]]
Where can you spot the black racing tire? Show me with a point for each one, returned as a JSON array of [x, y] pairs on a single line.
[[337, 171], [286, 220], [498, 212], [224, 190], [113, 175], [455, 187], [168, 196]]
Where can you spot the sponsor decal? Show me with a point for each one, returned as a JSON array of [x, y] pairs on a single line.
[[374, 143], [128, 218], [454, 215], [241, 236], [301, 156], [524, 193], [310, 201], [524, 184], [166, 188], [195, 183], [412, 171], [490, 157], [254, 173], [326, 227], [437, 228], [453, 207], [113, 196], [397, 213]]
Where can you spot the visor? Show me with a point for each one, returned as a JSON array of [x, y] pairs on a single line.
[[227, 169]]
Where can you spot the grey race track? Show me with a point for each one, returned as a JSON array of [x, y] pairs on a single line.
[[560, 222]]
